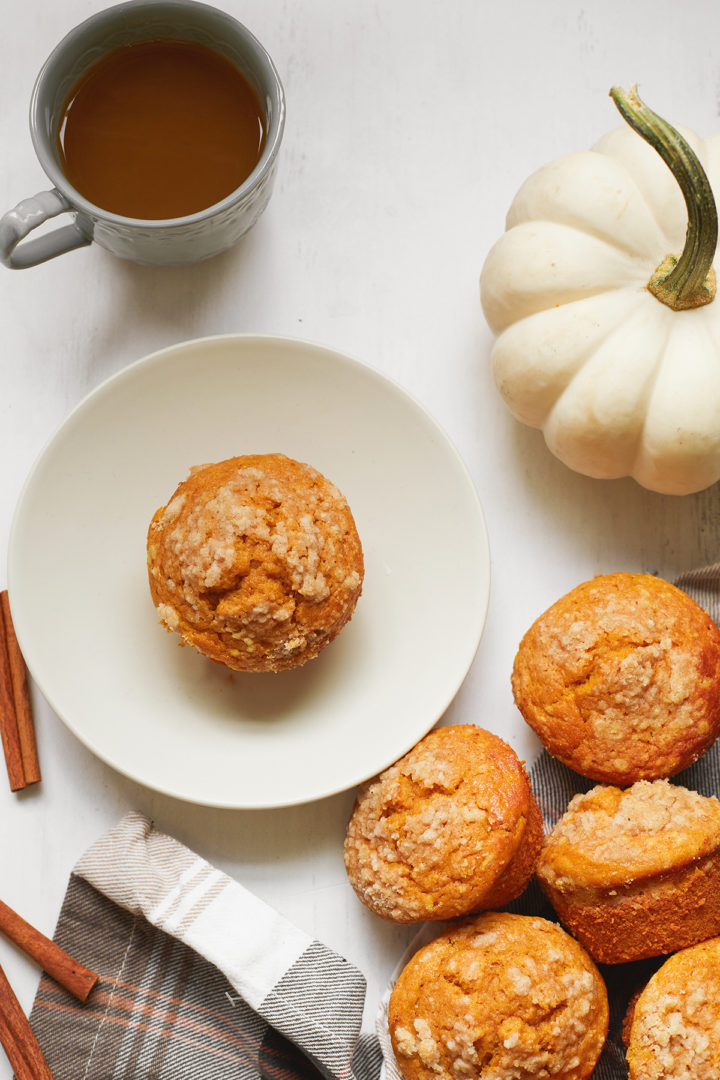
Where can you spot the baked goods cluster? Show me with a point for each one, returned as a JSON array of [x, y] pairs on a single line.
[[450, 830], [255, 562], [620, 679]]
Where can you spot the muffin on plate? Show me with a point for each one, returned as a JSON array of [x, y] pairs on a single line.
[[672, 1031], [620, 679], [451, 828], [635, 873], [499, 996], [255, 562]]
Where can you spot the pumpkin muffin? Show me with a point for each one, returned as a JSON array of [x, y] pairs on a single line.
[[673, 1027], [451, 828], [620, 679], [499, 997], [635, 873], [255, 562]]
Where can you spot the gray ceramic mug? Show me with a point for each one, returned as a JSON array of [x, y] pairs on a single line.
[[166, 242]]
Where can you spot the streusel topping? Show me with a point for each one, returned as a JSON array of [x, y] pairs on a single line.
[[499, 997], [675, 1031], [610, 836], [620, 678], [255, 561], [432, 835]]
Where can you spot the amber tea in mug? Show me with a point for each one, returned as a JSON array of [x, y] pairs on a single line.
[[160, 129], [165, 152]]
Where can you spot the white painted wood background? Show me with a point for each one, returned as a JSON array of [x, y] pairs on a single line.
[[410, 125]]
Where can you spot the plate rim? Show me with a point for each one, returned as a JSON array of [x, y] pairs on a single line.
[[330, 354]]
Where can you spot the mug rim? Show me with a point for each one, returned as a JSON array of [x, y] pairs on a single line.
[[91, 210]]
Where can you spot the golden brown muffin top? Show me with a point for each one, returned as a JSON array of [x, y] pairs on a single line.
[[255, 561], [675, 1030], [610, 837], [499, 997], [431, 836], [620, 678]]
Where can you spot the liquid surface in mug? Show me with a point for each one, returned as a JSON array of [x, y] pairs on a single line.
[[160, 129]]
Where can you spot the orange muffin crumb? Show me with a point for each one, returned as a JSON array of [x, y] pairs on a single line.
[[635, 873], [255, 562], [620, 679], [499, 997], [451, 828]]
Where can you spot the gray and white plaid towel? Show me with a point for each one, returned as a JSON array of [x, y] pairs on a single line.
[[200, 979]]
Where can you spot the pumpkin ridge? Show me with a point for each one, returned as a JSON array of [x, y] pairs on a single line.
[[673, 326], [553, 276], [597, 194], [531, 380], [563, 438], [595, 234], [711, 328]]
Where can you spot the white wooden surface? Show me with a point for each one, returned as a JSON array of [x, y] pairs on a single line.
[[410, 126]]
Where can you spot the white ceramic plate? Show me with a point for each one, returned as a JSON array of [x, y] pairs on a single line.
[[167, 717]]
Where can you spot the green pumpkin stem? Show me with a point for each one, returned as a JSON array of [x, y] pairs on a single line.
[[689, 280]]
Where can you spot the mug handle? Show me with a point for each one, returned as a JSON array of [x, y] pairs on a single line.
[[28, 215]]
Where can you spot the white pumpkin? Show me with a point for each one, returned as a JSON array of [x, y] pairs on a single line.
[[620, 383]]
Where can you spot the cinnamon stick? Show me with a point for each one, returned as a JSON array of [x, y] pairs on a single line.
[[21, 696], [63, 968], [18, 1039], [9, 731], [16, 720]]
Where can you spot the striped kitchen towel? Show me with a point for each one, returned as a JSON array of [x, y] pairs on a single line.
[[198, 977]]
